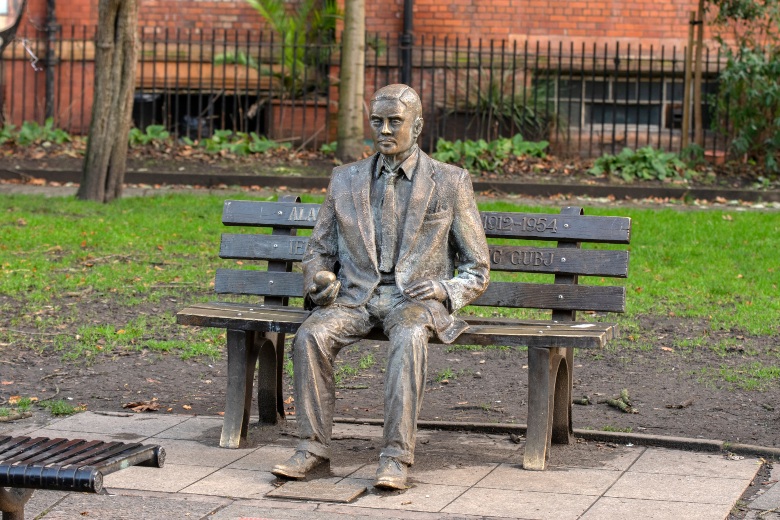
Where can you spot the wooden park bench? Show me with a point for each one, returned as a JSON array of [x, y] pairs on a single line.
[[30, 463], [257, 330]]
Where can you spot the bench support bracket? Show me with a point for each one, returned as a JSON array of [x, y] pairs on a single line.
[[12, 501]]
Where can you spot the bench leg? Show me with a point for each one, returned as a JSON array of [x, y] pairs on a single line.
[[547, 372], [270, 402], [562, 431], [12, 501], [242, 358]]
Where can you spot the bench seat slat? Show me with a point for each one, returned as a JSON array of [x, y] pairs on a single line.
[[38, 452], [484, 332]]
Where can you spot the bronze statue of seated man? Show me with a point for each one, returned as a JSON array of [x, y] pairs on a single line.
[[392, 232]]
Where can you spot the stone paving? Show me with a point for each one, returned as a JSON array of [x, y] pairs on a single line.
[[591, 481]]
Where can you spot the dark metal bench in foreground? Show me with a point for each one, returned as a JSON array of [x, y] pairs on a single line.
[[27, 464], [257, 331]]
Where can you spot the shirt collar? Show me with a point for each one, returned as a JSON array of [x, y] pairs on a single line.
[[408, 167]]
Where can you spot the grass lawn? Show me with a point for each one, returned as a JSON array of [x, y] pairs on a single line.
[[721, 266]]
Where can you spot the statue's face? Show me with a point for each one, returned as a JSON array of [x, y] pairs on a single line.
[[395, 126]]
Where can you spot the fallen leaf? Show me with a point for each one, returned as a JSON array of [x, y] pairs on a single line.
[[14, 399], [289, 400], [150, 380], [6, 382], [667, 349], [186, 407], [143, 406], [220, 413]]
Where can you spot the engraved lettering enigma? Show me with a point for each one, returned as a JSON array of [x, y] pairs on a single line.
[[297, 247], [531, 258], [497, 223], [539, 224], [300, 214]]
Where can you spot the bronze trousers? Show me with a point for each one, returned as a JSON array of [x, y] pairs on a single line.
[[408, 326]]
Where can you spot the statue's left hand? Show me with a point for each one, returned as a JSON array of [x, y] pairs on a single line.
[[426, 290]]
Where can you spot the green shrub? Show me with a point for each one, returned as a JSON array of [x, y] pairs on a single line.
[[481, 155], [154, 134], [644, 164], [31, 133]]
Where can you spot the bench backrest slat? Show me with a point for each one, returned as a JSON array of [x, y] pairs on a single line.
[[539, 226], [526, 259], [267, 247], [551, 260], [260, 283], [270, 214], [558, 227], [554, 296], [498, 294]]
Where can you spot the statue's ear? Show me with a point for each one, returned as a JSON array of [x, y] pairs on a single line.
[[418, 126]]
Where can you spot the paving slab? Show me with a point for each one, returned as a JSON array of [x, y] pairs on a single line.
[[420, 497], [142, 425], [78, 506], [571, 481], [194, 453], [507, 503], [676, 462], [171, 478], [263, 458], [239, 483], [679, 488], [194, 428], [88, 436], [608, 508], [770, 499]]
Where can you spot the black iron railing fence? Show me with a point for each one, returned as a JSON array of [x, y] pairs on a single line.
[[585, 100]]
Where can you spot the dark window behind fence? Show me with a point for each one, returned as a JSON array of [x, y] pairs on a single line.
[[585, 100]]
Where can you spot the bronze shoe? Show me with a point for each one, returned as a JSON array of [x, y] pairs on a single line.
[[391, 474], [297, 466]]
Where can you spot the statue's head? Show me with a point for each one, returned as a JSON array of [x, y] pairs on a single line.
[[396, 119]]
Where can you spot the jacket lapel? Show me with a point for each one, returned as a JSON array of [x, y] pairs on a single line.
[[422, 188], [361, 190]]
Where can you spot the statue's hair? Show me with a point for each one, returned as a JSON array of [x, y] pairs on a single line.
[[403, 93]]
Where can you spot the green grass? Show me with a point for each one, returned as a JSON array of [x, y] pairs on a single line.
[[750, 376], [717, 265], [446, 374], [609, 428], [60, 407]]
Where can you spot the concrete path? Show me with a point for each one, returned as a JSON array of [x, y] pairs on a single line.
[[458, 475]]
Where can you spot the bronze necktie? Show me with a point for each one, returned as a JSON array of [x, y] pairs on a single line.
[[387, 259]]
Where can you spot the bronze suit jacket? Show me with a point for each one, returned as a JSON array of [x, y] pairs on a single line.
[[442, 233]]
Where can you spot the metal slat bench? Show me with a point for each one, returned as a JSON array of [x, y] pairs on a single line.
[[30, 463], [257, 330]]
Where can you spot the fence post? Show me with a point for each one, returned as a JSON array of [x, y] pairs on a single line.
[[52, 28]]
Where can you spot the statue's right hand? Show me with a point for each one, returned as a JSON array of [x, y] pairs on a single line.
[[325, 288]]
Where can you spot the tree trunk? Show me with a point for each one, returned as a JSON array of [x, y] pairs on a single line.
[[351, 84], [115, 62]]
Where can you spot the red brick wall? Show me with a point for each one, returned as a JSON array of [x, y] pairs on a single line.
[[588, 21]]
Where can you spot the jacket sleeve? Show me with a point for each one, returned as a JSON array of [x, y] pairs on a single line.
[[322, 250], [468, 238]]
